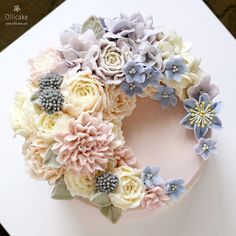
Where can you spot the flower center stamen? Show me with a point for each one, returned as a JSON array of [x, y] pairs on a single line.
[[205, 147], [132, 86], [132, 71], [175, 68], [173, 187], [165, 95]]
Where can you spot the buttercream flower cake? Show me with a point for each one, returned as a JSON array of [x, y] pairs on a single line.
[[78, 94]]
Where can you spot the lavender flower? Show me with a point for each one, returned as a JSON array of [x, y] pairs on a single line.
[[166, 96], [175, 68], [202, 115], [206, 147], [150, 56], [150, 177], [203, 86], [131, 89], [175, 188], [135, 27], [134, 72]]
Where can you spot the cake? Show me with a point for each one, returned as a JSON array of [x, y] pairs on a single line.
[[117, 117]]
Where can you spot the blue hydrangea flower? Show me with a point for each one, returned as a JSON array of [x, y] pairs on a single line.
[[202, 115], [206, 148], [134, 72], [175, 68], [166, 96], [152, 77], [175, 188], [150, 177], [131, 89]]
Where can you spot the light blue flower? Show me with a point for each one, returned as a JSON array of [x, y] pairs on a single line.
[[134, 72], [150, 177], [202, 115], [175, 188], [206, 148], [152, 77], [131, 89], [166, 96], [175, 68]]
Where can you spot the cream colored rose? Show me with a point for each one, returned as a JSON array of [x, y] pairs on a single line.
[[119, 105], [192, 77], [34, 150], [49, 124], [83, 93], [130, 190], [22, 114], [172, 44], [79, 184], [44, 62], [110, 62]]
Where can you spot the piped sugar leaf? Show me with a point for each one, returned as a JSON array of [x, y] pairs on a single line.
[[50, 159], [60, 191], [112, 213], [101, 199], [34, 96], [94, 24]]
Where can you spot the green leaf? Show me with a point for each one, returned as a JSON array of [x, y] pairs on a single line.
[[50, 159], [112, 213], [34, 96], [60, 191], [101, 200], [94, 24]]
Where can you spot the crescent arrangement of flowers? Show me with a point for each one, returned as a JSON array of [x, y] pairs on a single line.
[[71, 111]]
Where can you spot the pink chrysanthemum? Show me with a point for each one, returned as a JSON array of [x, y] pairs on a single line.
[[87, 145]]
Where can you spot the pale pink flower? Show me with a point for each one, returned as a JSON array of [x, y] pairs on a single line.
[[34, 150], [87, 145], [155, 198], [125, 156]]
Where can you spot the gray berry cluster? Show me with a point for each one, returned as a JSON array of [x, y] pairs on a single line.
[[50, 96], [106, 183], [50, 81], [51, 100]]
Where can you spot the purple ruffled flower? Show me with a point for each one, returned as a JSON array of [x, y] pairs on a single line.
[[175, 68], [131, 89], [150, 177], [175, 188], [203, 86], [202, 115], [135, 27], [134, 72], [166, 96], [206, 148]]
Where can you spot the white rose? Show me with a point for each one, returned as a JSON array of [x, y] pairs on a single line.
[[83, 93], [130, 191], [79, 184], [22, 113], [172, 44], [49, 124]]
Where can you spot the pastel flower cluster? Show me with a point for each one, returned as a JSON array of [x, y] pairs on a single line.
[[71, 111]]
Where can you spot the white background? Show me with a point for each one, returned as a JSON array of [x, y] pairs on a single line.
[[209, 210]]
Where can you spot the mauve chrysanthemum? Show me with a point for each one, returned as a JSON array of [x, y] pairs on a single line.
[[87, 145]]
